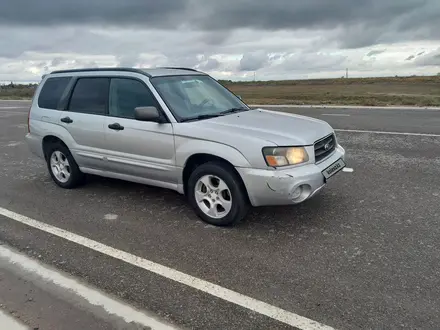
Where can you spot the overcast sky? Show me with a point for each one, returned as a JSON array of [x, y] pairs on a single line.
[[230, 39]]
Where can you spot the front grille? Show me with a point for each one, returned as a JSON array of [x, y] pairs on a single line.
[[324, 147]]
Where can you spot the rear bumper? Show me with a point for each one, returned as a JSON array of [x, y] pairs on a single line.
[[35, 144], [289, 186]]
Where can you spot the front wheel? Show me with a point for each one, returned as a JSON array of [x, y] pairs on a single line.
[[217, 194]]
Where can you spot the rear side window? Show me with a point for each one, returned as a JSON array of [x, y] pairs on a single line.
[[52, 91], [90, 95]]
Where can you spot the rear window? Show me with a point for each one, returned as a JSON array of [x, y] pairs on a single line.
[[52, 91]]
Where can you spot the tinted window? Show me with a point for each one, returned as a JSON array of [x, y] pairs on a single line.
[[127, 94], [90, 95], [52, 91]]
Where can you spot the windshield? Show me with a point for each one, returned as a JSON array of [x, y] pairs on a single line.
[[196, 97]]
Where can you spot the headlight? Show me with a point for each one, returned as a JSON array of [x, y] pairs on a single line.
[[285, 156]]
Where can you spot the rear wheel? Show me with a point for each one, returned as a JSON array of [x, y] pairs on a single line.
[[62, 167], [217, 194]]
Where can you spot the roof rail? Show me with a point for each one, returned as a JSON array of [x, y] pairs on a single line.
[[178, 68], [103, 69]]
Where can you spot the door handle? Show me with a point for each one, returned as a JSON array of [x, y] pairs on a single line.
[[116, 127], [66, 120]]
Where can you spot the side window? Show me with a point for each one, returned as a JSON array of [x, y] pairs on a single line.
[[127, 94], [52, 91], [90, 95]]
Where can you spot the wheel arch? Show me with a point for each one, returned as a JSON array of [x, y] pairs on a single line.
[[192, 153], [198, 159], [51, 139]]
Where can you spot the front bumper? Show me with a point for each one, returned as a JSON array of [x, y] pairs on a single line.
[[279, 187]]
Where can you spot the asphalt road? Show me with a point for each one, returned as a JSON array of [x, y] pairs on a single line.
[[388, 120], [363, 254]]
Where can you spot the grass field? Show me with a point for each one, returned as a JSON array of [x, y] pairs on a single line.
[[411, 91], [17, 91], [415, 91]]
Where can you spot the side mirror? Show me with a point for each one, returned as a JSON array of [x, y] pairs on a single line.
[[147, 114], [239, 96]]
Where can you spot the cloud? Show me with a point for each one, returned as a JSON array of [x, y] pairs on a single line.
[[150, 13], [233, 38], [287, 14], [215, 38], [209, 65], [56, 61], [430, 59], [375, 52], [361, 23], [253, 61], [301, 62], [128, 60]]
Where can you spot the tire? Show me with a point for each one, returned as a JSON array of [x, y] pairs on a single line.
[[69, 166], [215, 201]]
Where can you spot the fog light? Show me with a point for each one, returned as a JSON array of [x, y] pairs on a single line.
[[297, 192]]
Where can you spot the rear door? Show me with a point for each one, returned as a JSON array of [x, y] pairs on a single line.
[[138, 148], [46, 106], [84, 119]]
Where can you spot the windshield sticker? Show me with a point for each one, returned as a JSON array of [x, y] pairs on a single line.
[[192, 81]]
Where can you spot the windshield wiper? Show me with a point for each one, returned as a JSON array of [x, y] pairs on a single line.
[[214, 115], [232, 110], [200, 117]]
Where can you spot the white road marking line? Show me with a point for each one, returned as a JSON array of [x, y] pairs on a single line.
[[14, 143], [110, 216], [8, 322], [347, 170], [25, 100], [330, 106], [386, 133], [336, 114], [255, 305], [19, 113], [94, 297]]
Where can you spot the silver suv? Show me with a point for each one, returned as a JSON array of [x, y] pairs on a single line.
[[179, 129]]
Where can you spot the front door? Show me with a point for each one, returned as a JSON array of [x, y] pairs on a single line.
[[137, 148]]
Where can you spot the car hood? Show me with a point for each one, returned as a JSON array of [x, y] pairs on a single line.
[[278, 128]]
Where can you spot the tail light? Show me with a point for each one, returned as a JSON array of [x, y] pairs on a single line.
[[29, 112], [28, 120]]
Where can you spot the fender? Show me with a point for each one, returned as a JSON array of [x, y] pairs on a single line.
[[61, 133], [185, 148]]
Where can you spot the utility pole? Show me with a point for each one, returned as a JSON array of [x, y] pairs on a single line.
[[255, 75], [346, 73]]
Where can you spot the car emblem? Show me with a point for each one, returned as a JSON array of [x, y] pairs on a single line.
[[327, 146]]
